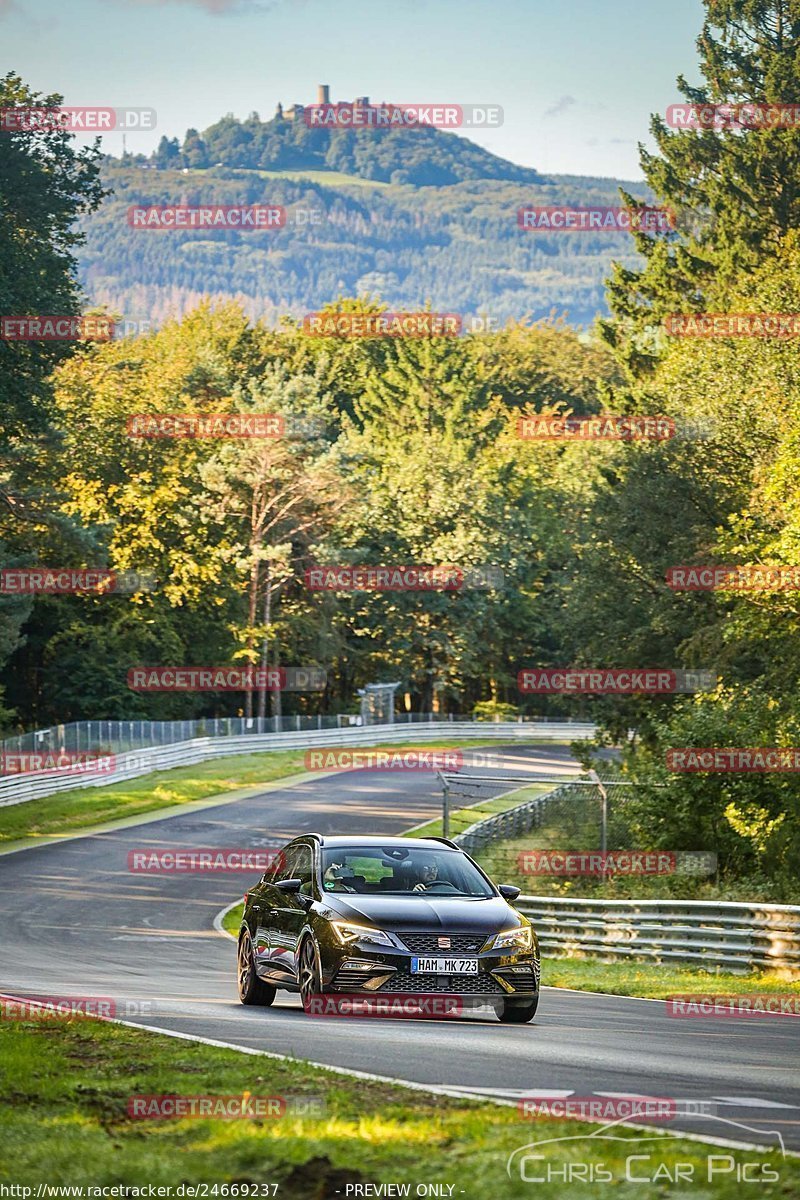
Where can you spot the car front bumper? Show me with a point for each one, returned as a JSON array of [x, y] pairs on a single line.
[[355, 969]]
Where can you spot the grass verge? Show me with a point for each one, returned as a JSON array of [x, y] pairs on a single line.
[[656, 980], [233, 919], [65, 1120], [83, 808]]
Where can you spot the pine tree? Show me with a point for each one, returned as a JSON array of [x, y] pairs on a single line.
[[736, 192]]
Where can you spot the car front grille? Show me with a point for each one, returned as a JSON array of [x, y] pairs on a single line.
[[428, 943], [479, 985]]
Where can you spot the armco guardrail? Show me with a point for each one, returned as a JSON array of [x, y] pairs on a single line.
[[736, 937], [118, 737], [16, 789]]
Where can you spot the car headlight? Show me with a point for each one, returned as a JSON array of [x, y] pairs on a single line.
[[348, 933], [519, 938]]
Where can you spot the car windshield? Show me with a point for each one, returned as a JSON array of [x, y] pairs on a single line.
[[397, 871]]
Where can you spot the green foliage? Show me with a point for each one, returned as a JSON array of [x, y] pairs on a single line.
[[736, 193], [45, 184], [751, 819], [494, 710]]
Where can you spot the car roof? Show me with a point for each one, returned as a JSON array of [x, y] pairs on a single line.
[[357, 839]]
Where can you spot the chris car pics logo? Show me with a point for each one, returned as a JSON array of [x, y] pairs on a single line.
[[617, 1156]]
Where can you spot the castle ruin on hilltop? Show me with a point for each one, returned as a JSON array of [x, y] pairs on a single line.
[[295, 113]]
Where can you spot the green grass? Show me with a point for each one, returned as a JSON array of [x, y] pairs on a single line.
[[64, 1121], [82, 808], [232, 920], [657, 980]]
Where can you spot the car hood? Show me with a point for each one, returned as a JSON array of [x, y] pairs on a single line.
[[424, 913]]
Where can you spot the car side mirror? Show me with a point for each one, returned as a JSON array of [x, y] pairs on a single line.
[[289, 885], [508, 891]]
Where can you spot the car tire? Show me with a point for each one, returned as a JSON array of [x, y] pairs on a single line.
[[309, 971], [514, 1013], [252, 990]]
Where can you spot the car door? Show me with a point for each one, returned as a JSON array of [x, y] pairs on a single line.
[[260, 907], [289, 913], [269, 901]]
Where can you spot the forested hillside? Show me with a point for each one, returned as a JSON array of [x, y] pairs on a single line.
[[458, 246]]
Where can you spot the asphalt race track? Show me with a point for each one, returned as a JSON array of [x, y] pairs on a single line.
[[75, 921]]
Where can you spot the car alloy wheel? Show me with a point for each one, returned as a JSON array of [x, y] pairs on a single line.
[[309, 973], [252, 990]]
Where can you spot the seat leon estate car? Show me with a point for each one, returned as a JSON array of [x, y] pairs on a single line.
[[402, 916]]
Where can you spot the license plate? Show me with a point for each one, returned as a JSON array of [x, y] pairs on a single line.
[[444, 966]]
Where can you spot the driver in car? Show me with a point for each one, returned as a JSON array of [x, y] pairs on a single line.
[[428, 874]]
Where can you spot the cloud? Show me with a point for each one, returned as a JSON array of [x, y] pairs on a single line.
[[561, 105]]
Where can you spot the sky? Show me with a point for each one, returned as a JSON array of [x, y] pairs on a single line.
[[577, 79]]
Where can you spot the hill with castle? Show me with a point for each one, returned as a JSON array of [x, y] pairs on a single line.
[[424, 156]]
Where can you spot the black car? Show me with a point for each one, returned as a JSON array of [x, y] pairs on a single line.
[[372, 915]]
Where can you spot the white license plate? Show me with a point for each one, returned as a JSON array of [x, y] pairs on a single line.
[[444, 966]]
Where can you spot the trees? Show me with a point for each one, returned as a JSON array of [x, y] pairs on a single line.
[[736, 193], [274, 499], [44, 185]]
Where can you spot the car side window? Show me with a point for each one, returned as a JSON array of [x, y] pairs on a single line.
[[284, 866], [302, 868]]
